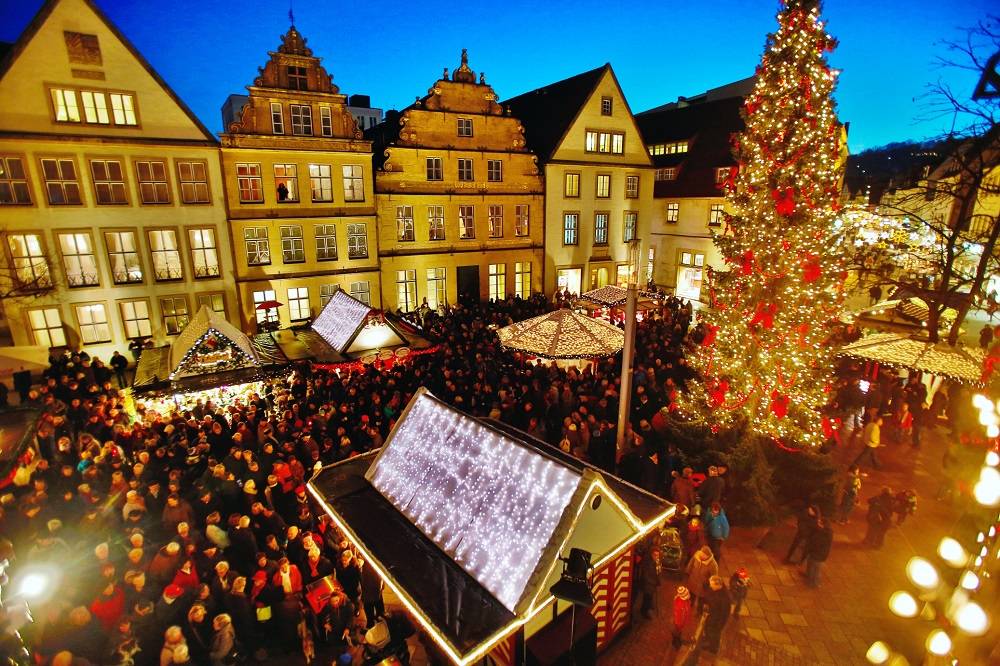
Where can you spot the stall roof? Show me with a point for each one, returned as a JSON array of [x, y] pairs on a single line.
[[563, 334], [208, 321], [17, 427], [958, 362], [344, 323], [465, 520]]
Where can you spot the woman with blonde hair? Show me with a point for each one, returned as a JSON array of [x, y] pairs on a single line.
[[223, 641]]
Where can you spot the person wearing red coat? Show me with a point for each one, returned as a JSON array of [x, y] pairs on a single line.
[[681, 615], [109, 606], [187, 577], [287, 578]]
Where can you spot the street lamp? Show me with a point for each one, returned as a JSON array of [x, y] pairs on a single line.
[[632, 294]]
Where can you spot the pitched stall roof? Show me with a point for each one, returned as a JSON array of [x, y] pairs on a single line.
[[205, 322], [465, 519], [962, 363], [563, 334], [344, 325]]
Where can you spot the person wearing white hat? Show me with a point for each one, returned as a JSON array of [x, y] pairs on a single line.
[[681, 615]]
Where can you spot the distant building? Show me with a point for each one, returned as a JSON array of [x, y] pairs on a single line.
[[299, 190], [112, 207], [598, 179], [460, 198], [360, 106]]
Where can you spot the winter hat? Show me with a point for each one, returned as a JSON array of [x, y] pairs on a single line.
[[742, 573], [682, 593], [173, 591]]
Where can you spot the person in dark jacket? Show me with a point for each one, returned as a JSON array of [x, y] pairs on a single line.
[[371, 593], [817, 550], [879, 518], [805, 524], [649, 581], [719, 605], [711, 489]]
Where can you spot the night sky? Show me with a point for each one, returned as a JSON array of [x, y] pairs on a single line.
[[394, 51]]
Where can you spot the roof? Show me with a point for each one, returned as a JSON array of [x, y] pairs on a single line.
[[207, 321], [961, 363], [8, 56], [465, 519], [345, 324], [548, 112], [563, 333]]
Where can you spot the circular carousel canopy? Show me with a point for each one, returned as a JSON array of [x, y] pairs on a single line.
[[563, 334]]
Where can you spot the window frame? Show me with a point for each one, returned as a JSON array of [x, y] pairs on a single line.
[[363, 295], [497, 281], [262, 316], [575, 215], [137, 251], [318, 167], [467, 222], [436, 223], [631, 192], [716, 215], [494, 171], [48, 328], [522, 223], [108, 108], [568, 177], [326, 245], [406, 280], [303, 124], [434, 167], [629, 231], [277, 118], [136, 162], [599, 216], [62, 182], [357, 183], [405, 231], [153, 253], [293, 194], [179, 165], [437, 286], [92, 161], [598, 178], [191, 230], [352, 235], [295, 303], [522, 276], [184, 316], [494, 216], [466, 170], [10, 181], [672, 212], [464, 128], [257, 242], [200, 297], [298, 74], [75, 233], [289, 244], [39, 279], [80, 325], [607, 102], [325, 121], [251, 178]]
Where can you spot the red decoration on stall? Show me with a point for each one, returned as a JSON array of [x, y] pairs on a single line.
[[784, 201], [779, 404], [764, 315], [810, 268]]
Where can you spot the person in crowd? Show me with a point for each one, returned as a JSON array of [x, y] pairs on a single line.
[[717, 529], [648, 579], [701, 567], [879, 518], [223, 647], [871, 439], [849, 496], [739, 587], [804, 525], [818, 550], [719, 606], [681, 616]]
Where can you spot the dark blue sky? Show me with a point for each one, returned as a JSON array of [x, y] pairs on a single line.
[[394, 51]]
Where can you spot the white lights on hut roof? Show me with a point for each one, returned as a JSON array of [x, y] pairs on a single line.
[[340, 319]]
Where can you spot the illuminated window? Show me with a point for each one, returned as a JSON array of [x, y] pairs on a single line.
[[361, 290], [65, 105], [46, 327], [263, 296], [302, 119], [434, 170], [465, 170], [326, 292], [61, 183], [436, 287], [406, 290], [715, 215], [166, 254], [109, 182], [631, 187], [95, 107], [122, 109], [721, 174], [249, 182], [604, 142], [321, 182], [152, 177], [277, 119], [602, 188], [617, 143], [175, 314], [298, 303], [354, 183], [522, 220], [601, 228], [31, 269], [357, 241], [465, 126], [522, 279], [326, 242], [571, 228], [496, 220], [326, 121], [435, 222], [605, 106], [404, 223], [123, 257], [204, 253], [93, 322], [286, 184], [193, 177], [590, 144], [297, 79], [258, 249], [498, 282], [293, 246], [668, 173], [494, 171], [631, 220], [673, 211], [79, 262], [571, 188], [13, 182], [466, 222]]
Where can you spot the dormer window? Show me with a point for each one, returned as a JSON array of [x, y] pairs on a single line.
[[605, 106], [301, 119], [297, 78]]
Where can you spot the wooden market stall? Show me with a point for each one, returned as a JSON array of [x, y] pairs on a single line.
[[465, 520], [564, 336]]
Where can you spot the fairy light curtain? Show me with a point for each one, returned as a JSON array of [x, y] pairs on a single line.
[[340, 319], [563, 334], [489, 502]]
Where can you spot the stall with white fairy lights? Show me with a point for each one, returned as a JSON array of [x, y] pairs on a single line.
[[608, 302], [960, 363], [465, 520], [563, 335]]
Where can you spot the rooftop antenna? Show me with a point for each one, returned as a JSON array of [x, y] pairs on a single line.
[[291, 13]]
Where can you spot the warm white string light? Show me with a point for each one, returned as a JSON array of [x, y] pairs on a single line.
[[340, 318]]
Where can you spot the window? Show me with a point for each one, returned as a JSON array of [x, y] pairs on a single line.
[[715, 215], [302, 119], [522, 220], [79, 261], [109, 182], [152, 177], [122, 109], [435, 222], [406, 290], [250, 184], [204, 253], [631, 187], [498, 282], [590, 145], [175, 314], [65, 106], [631, 221], [465, 126], [46, 327], [668, 173], [604, 142], [257, 247], [605, 106], [277, 119], [31, 269], [673, 211], [286, 184], [404, 223], [326, 242], [13, 182], [494, 171], [649, 264], [601, 228], [61, 183], [193, 177], [166, 255], [571, 188], [436, 287], [522, 279], [215, 301], [293, 247], [617, 143], [354, 183], [93, 321], [361, 290], [496, 221], [297, 79], [263, 296], [123, 257], [82, 48], [668, 148], [571, 228], [466, 222], [602, 188], [357, 241], [434, 171], [721, 175], [326, 121], [321, 182], [465, 170], [298, 303], [326, 292], [95, 107]]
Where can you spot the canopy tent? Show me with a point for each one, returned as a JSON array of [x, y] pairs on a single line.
[[352, 327], [449, 515], [960, 363], [563, 334]]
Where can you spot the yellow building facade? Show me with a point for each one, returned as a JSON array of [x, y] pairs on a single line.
[[113, 215], [298, 184], [598, 179], [460, 199]]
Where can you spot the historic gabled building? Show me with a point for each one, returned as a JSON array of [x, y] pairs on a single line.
[[460, 198], [298, 181], [111, 203], [598, 178], [690, 143]]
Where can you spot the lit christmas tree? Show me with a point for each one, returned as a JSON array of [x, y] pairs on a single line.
[[764, 363]]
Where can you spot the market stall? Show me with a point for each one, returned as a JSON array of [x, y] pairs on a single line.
[[608, 302], [563, 335], [448, 514], [18, 445], [959, 363]]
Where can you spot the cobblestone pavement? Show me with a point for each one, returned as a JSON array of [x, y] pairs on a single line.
[[785, 622]]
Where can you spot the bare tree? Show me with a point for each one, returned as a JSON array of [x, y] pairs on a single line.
[[24, 266]]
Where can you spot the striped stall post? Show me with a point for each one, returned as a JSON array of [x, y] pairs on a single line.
[[612, 598], [506, 651]]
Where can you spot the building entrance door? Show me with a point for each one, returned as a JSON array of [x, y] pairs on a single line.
[[468, 284]]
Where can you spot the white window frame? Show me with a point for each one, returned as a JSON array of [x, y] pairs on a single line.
[[406, 290], [495, 216], [93, 321], [357, 240], [298, 303], [466, 222], [437, 287], [435, 223], [277, 118], [354, 182], [321, 182], [47, 331], [79, 259], [498, 281], [204, 252], [167, 263], [257, 246], [175, 313], [326, 242], [125, 264], [522, 279], [293, 244], [404, 224], [301, 119]]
